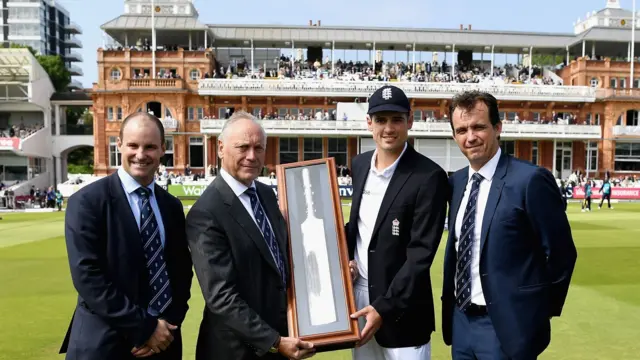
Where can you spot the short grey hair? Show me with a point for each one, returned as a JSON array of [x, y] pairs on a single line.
[[240, 115]]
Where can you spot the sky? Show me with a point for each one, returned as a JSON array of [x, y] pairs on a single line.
[[541, 15]]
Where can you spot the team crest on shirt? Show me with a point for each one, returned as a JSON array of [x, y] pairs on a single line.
[[395, 227]]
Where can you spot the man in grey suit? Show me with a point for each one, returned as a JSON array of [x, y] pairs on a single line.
[[239, 246]]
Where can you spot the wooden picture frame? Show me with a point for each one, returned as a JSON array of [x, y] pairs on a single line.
[[320, 295]]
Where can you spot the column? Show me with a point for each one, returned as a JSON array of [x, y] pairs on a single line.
[[414, 58], [58, 167], [333, 58], [492, 58], [373, 54], [206, 38], [530, 61], [190, 42], [567, 55], [553, 170], [206, 153], [584, 45], [593, 50], [453, 62], [126, 39], [252, 57], [58, 124]]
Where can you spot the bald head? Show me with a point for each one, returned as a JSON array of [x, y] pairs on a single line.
[[142, 116]]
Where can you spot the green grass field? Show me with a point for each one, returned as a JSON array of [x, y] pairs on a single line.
[[601, 318]]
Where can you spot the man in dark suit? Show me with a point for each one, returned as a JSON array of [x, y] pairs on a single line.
[[396, 222], [239, 246], [510, 253], [129, 256]]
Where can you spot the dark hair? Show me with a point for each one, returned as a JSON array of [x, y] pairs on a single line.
[[145, 116], [468, 99]]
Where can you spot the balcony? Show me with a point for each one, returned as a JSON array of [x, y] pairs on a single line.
[[624, 131], [73, 42], [248, 87], [420, 129], [75, 85], [73, 28], [618, 94], [76, 129], [76, 70], [74, 56], [166, 85], [169, 124]]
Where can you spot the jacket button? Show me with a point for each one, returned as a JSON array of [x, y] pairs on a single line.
[[372, 251]]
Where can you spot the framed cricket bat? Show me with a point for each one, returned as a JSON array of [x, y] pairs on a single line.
[[320, 295]]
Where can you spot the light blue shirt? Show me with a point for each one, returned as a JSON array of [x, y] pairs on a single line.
[[130, 185]]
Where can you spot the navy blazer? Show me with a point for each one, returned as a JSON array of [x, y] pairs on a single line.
[[527, 255], [109, 272]]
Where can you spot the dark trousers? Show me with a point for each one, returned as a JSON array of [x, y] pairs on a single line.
[[474, 338], [586, 204], [608, 197]]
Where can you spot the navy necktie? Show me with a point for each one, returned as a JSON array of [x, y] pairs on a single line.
[[267, 232], [465, 246], [159, 286]]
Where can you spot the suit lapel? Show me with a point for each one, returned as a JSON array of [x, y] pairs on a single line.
[[494, 196], [460, 185], [360, 179], [400, 176], [241, 216], [125, 215]]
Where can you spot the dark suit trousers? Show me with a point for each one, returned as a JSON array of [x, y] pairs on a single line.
[[474, 338]]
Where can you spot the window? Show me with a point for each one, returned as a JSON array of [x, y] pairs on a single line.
[[119, 113], [200, 113], [194, 74], [534, 153], [338, 150], [623, 83], [110, 113], [190, 113], [196, 152], [167, 159], [288, 150], [417, 115], [312, 148], [588, 119], [256, 113], [597, 119], [167, 113], [613, 83], [428, 114], [508, 147], [511, 116], [282, 113], [222, 113], [195, 113], [594, 82], [114, 153], [592, 156], [502, 115], [115, 74], [535, 116]]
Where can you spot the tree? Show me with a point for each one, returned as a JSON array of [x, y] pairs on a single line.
[[54, 66], [546, 60]]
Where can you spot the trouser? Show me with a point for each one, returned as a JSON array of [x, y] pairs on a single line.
[[586, 204], [373, 351], [608, 197], [474, 338]]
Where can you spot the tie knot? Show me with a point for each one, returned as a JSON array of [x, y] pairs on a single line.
[[477, 177], [251, 192], [143, 192]]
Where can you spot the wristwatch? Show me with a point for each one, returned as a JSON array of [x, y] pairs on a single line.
[[274, 348]]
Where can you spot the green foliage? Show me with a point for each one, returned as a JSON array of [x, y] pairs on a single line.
[[546, 60], [87, 117], [53, 65], [80, 161], [79, 169]]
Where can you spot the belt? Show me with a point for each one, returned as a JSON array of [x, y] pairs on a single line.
[[476, 310]]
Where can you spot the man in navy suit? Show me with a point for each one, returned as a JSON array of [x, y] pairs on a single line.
[[510, 253], [129, 258]]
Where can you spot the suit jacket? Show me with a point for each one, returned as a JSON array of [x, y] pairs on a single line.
[[246, 300], [527, 255], [109, 272], [399, 265]]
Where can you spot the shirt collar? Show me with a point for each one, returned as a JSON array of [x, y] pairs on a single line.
[[390, 169], [489, 169], [130, 184], [236, 186]]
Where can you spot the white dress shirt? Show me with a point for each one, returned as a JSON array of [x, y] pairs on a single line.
[[130, 185], [487, 172], [374, 189]]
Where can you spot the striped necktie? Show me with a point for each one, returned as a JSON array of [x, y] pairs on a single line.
[[465, 246], [267, 232], [159, 286]]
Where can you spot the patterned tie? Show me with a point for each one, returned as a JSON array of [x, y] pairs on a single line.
[[154, 254], [266, 231], [467, 228]]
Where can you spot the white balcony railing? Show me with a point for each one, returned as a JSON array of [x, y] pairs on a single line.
[[626, 130], [75, 84], [169, 124], [74, 42], [424, 90], [75, 70], [421, 129], [74, 55], [73, 28]]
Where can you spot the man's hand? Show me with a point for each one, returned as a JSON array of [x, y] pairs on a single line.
[[353, 268], [142, 352], [296, 349], [161, 337], [374, 321]]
